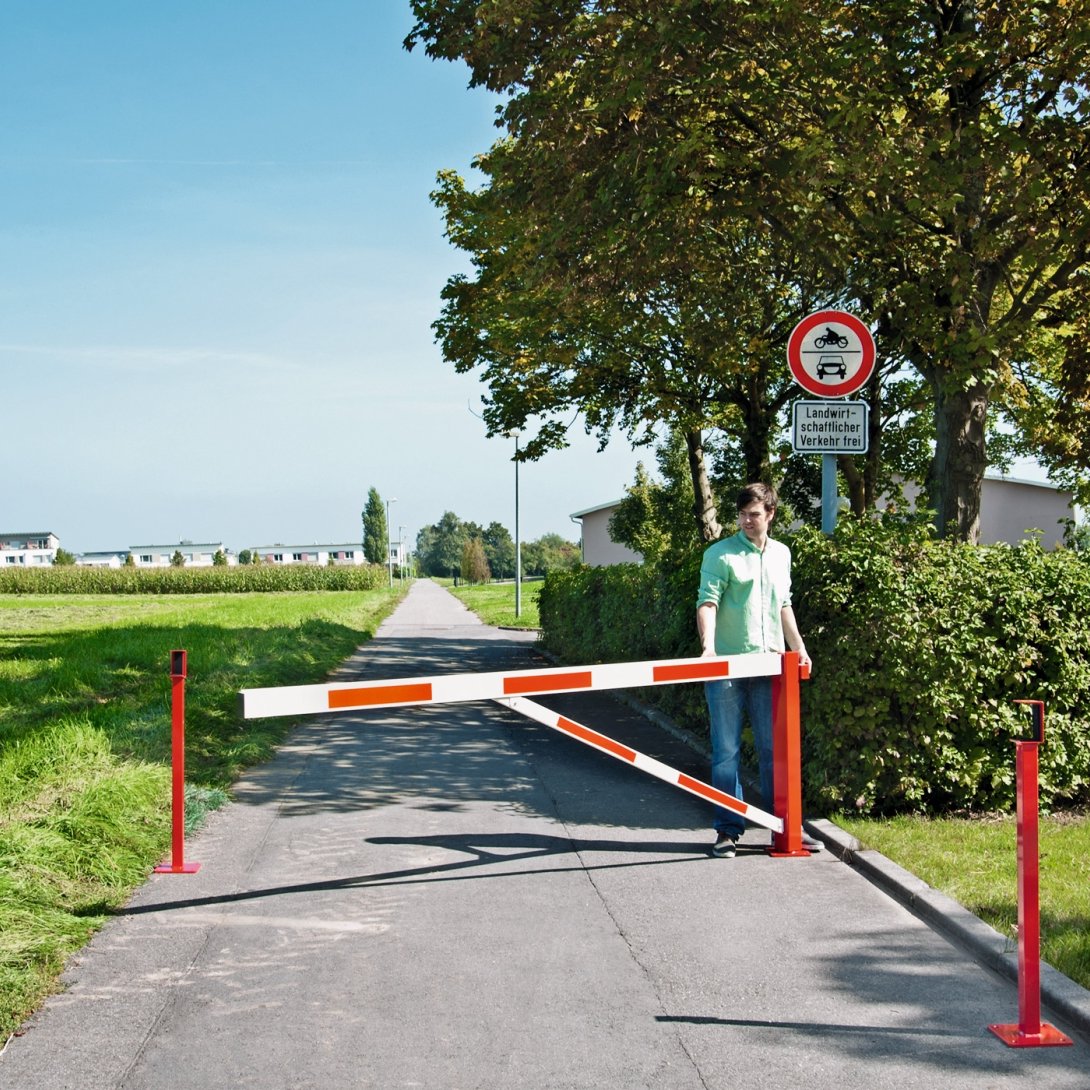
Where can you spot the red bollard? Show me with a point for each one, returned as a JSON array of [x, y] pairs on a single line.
[[787, 758], [177, 864], [1030, 1032]]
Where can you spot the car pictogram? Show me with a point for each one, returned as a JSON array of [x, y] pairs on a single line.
[[831, 365]]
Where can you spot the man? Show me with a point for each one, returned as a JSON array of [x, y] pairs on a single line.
[[744, 606]]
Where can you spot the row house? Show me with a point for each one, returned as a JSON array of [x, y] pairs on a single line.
[[34, 550], [194, 554], [340, 555]]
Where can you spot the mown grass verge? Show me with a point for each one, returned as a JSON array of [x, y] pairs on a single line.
[[85, 743], [974, 861], [494, 603]]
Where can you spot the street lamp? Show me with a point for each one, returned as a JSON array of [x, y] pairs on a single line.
[[518, 542], [389, 555]]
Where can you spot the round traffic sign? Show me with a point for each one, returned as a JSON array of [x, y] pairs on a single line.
[[831, 353]]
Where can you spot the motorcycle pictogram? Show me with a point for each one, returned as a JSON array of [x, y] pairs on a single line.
[[832, 338]]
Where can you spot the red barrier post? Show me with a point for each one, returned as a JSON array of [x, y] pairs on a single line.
[[1030, 1032], [177, 864], [787, 758]]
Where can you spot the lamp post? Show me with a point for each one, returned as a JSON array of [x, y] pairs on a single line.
[[389, 556], [518, 541]]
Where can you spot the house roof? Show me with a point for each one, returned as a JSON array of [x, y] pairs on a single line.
[[304, 548], [597, 507], [992, 475]]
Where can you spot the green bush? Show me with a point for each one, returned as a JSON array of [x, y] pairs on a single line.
[[920, 650], [628, 613], [228, 580]]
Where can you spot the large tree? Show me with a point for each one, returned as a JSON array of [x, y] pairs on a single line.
[[376, 538], [439, 546], [925, 161], [499, 550]]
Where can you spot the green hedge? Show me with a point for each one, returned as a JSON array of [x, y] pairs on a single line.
[[237, 579], [920, 650]]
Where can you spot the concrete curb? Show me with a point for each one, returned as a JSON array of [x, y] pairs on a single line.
[[1067, 1000]]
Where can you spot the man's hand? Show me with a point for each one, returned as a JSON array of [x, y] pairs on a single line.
[[705, 628]]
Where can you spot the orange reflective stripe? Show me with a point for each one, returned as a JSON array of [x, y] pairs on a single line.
[[729, 801], [546, 683], [577, 730], [380, 694], [701, 671]]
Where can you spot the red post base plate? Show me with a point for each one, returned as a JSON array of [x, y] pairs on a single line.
[[185, 868], [1014, 1037]]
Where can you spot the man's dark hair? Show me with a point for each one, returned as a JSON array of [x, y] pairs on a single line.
[[758, 493]]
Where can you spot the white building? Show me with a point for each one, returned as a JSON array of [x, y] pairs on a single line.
[[1014, 510], [102, 560], [1011, 510], [194, 554], [33, 550], [599, 549], [339, 555]]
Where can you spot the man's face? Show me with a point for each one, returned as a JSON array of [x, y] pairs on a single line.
[[755, 521]]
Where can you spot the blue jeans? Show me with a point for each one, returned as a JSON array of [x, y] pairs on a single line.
[[729, 704]]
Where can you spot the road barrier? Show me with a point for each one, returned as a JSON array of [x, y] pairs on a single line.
[[513, 688], [453, 688]]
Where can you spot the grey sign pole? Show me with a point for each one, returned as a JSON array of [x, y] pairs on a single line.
[[828, 493]]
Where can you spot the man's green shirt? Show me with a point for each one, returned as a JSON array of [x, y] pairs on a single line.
[[749, 588]]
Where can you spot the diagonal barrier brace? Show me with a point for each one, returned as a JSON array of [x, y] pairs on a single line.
[[454, 688], [621, 752]]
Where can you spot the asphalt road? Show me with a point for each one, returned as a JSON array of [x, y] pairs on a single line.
[[455, 897]]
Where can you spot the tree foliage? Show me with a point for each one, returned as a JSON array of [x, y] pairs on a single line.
[[499, 550], [655, 517], [441, 550], [550, 552], [439, 546], [474, 563], [678, 183], [376, 535]]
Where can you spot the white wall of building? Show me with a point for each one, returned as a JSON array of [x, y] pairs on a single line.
[[194, 554], [346, 554], [599, 549], [33, 550]]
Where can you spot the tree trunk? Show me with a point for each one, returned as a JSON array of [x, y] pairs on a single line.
[[704, 510], [857, 492], [957, 470]]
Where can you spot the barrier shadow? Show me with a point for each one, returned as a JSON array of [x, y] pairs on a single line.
[[481, 851]]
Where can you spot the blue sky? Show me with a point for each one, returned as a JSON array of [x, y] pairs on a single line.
[[218, 270]]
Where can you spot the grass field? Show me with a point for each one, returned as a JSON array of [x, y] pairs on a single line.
[[494, 603], [85, 743], [974, 860]]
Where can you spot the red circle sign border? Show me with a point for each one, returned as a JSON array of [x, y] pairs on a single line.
[[794, 354]]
